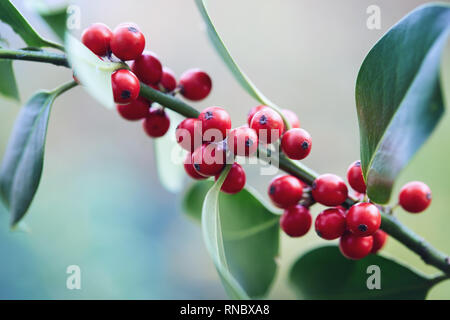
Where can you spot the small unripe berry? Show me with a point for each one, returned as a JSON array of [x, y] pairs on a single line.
[[268, 125], [415, 197], [354, 247], [195, 84], [285, 191], [157, 123], [296, 143], [189, 134], [243, 141], [379, 239], [147, 68], [215, 123], [209, 159], [190, 170], [168, 80], [363, 219], [330, 224], [136, 110], [296, 221], [97, 38], [329, 190], [235, 180], [291, 117], [127, 42], [125, 86], [355, 177], [253, 111]]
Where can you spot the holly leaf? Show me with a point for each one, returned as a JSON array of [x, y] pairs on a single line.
[[93, 73], [324, 273], [21, 169], [55, 18], [399, 95], [8, 85], [11, 16], [250, 233]]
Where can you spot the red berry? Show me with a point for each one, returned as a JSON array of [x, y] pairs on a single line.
[[355, 177], [136, 110], [209, 159], [363, 219], [125, 86], [190, 170], [354, 247], [296, 143], [168, 80], [157, 123], [253, 111], [243, 141], [268, 125], [97, 38], [329, 190], [296, 221], [285, 191], [147, 68], [189, 134], [379, 239], [235, 180], [330, 224], [127, 42], [415, 197], [215, 123], [291, 118], [195, 84]]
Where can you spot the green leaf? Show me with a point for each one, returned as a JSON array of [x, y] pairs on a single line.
[[93, 72], [55, 18], [21, 169], [250, 235], [11, 16], [8, 85], [324, 273], [169, 156], [399, 96]]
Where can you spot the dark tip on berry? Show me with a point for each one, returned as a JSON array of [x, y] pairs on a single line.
[[125, 94], [358, 163], [305, 145], [197, 166], [272, 190], [313, 186], [133, 29], [319, 233], [429, 196], [248, 142], [362, 227], [263, 119], [208, 115]]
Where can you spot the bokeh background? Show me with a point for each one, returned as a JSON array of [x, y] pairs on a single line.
[[100, 204]]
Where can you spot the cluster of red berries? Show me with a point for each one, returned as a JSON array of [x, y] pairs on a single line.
[[127, 43], [358, 227]]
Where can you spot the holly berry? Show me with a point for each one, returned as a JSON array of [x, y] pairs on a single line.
[[195, 84], [243, 141], [97, 38], [136, 110], [355, 177], [296, 143], [214, 118], [379, 239], [189, 134], [285, 191], [190, 170], [268, 125], [157, 123], [296, 221], [330, 224], [125, 86], [354, 247], [127, 42], [329, 190], [363, 219], [209, 159], [253, 111], [168, 80], [291, 118], [235, 180], [147, 68], [415, 197]]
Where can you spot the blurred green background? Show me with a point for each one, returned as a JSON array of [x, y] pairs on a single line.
[[100, 204]]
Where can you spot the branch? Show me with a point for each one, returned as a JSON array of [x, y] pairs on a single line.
[[390, 224]]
